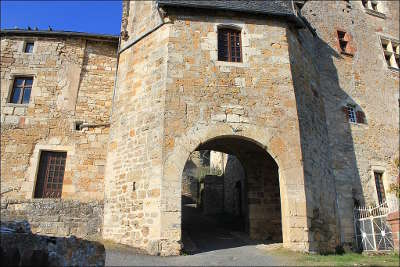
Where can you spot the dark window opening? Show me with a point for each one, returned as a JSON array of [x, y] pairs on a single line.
[[78, 125], [21, 91], [342, 41], [374, 6], [300, 3], [229, 45], [379, 186], [365, 3], [387, 58], [50, 174], [29, 47]]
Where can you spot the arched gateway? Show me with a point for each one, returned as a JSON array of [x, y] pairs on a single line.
[[275, 194]]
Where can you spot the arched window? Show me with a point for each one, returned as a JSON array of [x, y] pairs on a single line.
[[229, 45]]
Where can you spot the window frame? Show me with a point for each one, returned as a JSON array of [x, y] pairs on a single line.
[[379, 186], [369, 5], [351, 110], [348, 39], [395, 52], [26, 45], [23, 88], [353, 114], [230, 30]]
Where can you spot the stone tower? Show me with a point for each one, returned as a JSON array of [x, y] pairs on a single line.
[[174, 96]]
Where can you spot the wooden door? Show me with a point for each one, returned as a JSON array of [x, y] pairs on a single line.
[[50, 175]]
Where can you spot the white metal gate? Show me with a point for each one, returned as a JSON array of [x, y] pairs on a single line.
[[372, 230]]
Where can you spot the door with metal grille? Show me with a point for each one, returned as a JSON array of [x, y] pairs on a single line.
[[50, 175]]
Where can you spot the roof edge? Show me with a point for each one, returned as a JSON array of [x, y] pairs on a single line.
[[103, 37]]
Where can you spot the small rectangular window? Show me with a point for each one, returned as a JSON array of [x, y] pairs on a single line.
[[380, 190], [21, 91], [29, 47], [229, 45], [50, 175]]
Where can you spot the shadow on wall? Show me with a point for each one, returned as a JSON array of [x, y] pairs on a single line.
[[332, 180], [20, 247]]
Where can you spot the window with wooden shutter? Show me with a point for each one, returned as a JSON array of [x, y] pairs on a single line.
[[50, 175], [345, 44], [353, 115], [229, 45]]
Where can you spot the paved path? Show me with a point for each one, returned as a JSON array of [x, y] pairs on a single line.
[[239, 256]]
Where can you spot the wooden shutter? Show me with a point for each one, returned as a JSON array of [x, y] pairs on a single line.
[[360, 117], [346, 113]]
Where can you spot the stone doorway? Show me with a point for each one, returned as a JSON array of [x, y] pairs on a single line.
[[230, 196]]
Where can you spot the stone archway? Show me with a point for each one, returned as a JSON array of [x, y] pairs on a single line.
[[261, 218], [260, 141]]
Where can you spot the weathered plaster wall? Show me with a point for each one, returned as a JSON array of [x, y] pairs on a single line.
[[73, 81]]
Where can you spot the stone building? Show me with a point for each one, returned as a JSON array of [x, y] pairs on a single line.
[[304, 93]]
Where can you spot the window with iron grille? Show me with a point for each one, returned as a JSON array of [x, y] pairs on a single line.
[[50, 175], [21, 91], [229, 45], [380, 190]]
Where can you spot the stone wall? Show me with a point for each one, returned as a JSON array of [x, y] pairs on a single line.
[[19, 247], [72, 81], [253, 100], [134, 162], [57, 217], [213, 195], [364, 80], [234, 187]]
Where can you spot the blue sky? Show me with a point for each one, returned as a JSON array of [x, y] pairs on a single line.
[[102, 17]]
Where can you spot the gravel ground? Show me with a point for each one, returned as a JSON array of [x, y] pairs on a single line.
[[211, 242], [248, 255]]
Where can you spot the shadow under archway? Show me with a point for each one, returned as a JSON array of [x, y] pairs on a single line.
[[259, 216]]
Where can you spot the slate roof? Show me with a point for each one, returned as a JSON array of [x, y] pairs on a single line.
[[282, 8]]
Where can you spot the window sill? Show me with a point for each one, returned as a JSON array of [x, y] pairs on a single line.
[[393, 69], [16, 105], [375, 13], [230, 64], [346, 54], [357, 125]]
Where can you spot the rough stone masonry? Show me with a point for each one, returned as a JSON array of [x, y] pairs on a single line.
[[311, 111]]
